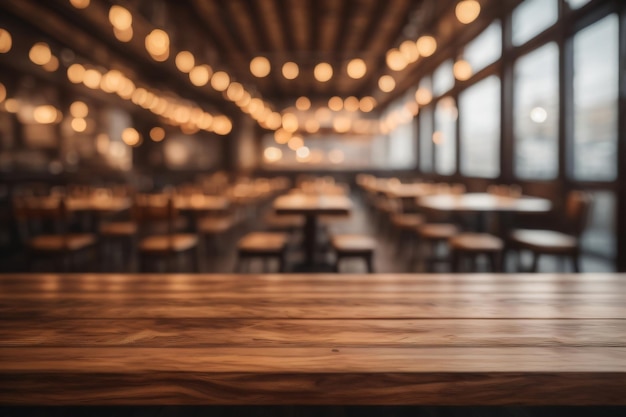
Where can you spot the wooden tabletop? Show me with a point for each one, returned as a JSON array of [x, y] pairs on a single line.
[[311, 204], [484, 202], [443, 339]]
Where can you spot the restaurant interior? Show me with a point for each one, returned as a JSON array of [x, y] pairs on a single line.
[[259, 165]]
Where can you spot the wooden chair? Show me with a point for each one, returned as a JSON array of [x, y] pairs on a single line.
[[159, 239], [263, 245], [551, 242], [474, 244], [430, 237], [45, 231], [354, 246]]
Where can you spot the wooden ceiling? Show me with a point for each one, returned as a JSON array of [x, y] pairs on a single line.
[[227, 34]]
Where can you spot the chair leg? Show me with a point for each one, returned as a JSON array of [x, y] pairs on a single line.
[[370, 263], [455, 260], [535, 264], [336, 266], [576, 262]]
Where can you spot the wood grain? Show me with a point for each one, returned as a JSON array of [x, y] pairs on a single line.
[[464, 339]]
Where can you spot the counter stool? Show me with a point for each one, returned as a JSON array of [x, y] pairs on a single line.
[[474, 244], [264, 245], [354, 246]]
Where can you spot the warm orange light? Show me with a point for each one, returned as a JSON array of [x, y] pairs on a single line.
[[323, 72], [3, 92], [157, 134], [12, 105], [45, 114], [92, 79], [303, 103], [78, 125], [462, 70], [356, 68], [290, 70], [409, 51], [51, 65], [76, 73], [423, 96], [281, 136], [199, 76], [40, 53], [295, 143], [273, 120], [222, 125], [220, 81], [312, 126], [426, 45], [335, 103], [386, 83], [6, 42], [336, 156], [185, 61], [125, 35], [260, 67], [158, 44], [367, 104], [235, 91], [467, 11], [80, 4], [120, 17], [79, 109], [290, 122], [272, 154], [395, 60], [131, 137], [351, 103]]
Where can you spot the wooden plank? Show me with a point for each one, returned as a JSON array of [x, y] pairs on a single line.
[[185, 333]]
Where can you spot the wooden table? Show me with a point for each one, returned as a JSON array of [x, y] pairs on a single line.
[[444, 339], [311, 207], [482, 204]]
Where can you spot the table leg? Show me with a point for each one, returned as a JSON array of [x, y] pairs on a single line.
[[310, 239]]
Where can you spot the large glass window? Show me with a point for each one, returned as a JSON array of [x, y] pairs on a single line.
[[443, 78], [479, 109], [576, 4], [536, 113], [444, 136], [533, 17], [596, 70], [485, 48]]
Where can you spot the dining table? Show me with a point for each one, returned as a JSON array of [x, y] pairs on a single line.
[[312, 206], [443, 339], [482, 205]]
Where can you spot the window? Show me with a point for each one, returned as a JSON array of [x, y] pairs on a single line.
[[536, 113], [402, 140], [426, 139], [486, 48], [444, 136], [599, 236], [576, 4], [479, 111], [443, 78], [533, 17], [596, 70]]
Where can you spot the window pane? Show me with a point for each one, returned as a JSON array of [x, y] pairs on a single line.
[[536, 114], [485, 48], [443, 78], [596, 69], [444, 136], [576, 4], [599, 237], [533, 17], [426, 139], [479, 108], [402, 140]]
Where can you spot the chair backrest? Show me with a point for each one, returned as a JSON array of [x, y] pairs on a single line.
[[37, 215], [577, 211], [151, 210]]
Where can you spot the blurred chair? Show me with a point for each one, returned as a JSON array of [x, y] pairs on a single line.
[[354, 246], [159, 239], [44, 224], [472, 245], [551, 242], [264, 246]]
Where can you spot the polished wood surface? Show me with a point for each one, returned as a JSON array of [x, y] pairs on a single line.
[[311, 204], [524, 339]]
